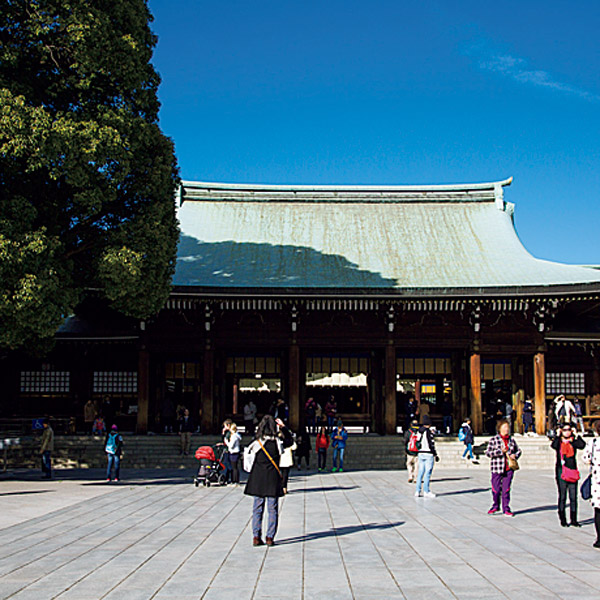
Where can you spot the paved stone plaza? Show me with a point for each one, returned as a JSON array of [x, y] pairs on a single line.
[[350, 535]]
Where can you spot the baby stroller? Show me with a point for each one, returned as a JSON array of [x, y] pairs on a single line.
[[212, 469]]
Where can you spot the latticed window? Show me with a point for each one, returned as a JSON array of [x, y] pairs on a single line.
[[115, 382], [565, 383], [45, 382]]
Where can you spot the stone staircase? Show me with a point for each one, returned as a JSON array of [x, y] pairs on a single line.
[[369, 451]]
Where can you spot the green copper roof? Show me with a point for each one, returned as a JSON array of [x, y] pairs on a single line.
[[351, 237]]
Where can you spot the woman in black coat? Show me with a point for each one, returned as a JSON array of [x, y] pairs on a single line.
[[565, 444], [264, 481]]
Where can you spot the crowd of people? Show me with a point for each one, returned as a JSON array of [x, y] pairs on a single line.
[[276, 449]]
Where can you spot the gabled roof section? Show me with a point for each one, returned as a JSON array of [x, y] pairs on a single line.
[[417, 240]]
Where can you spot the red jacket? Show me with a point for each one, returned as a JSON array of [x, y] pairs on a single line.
[[322, 441]]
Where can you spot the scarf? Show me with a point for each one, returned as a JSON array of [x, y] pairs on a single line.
[[566, 449]]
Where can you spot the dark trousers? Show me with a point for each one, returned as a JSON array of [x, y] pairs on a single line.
[[46, 464], [227, 464], [322, 458], [249, 425], [501, 483], [597, 523], [563, 488], [285, 474], [235, 467]]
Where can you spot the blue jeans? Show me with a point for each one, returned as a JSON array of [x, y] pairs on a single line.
[[331, 421], [468, 450], [46, 464], [113, 460], [338, 452], [447, 423], [424, 472], [257, 516], [527, 427]]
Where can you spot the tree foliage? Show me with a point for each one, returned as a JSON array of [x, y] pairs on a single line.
[[87, 179]]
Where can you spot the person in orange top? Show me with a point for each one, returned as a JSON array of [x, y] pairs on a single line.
[[321, 445]]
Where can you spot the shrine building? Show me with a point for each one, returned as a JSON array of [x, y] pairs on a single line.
[[370, 294]]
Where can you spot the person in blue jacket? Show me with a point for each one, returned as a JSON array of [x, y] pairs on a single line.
[[338, 442]]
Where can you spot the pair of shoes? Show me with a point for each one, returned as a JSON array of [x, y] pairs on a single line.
[[108, 479], [341, 469], [417, 494], [116, 479], [507, 513], [270, 541], [410, 480], [493, 511], [429, 495], [334, 469], [256, 541], [596, 544], [575, 524], [320, 470]]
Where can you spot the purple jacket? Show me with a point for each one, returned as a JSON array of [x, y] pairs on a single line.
[[494, 452]]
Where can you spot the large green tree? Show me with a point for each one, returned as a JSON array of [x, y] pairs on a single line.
[[87, 178]]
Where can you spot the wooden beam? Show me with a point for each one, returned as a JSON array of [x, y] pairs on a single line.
[[143, 390], [475, 372], [390, 421], [294, 386], [539, 386], [207, 394]]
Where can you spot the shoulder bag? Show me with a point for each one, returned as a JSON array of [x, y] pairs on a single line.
[[586, 486], [270, 458], [512, 463], [567, 474]]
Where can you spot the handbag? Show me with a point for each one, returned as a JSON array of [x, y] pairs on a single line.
[[586, 486], [513, 463], [567, 474]]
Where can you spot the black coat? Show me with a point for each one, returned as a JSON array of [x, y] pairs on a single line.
[[578, 443], [264, 479]]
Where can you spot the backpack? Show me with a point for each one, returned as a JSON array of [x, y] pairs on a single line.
[[462, 434], [111, 443], [413, 442]]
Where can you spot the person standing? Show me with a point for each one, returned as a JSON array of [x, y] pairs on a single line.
[[89, 414], [186, 428], [528, 416], [564, 410], [466, 432], [339, 437], [427, 456], [46, 449], [233, 444], [265, 480], [286, 461], [113, 446], [249, 417], [447, 415], [412, 409], [303, 449], [578, 414], [424, 410], [225, 435], [331, 411], [500, 448], [310, 413], [565, 444], [591, 456], [321, 446], [411, 442]]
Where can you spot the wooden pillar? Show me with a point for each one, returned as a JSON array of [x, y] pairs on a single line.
[[390, 421], [294, 386], [143, 390], [207, 393], [539, 385], [475, 371]]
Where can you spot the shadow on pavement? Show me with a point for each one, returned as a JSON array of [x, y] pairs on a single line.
[[330, 488], [338, 531], [471, 491], [26, 492], [441, 480], [536, 509]]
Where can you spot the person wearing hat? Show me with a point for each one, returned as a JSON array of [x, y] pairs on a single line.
[[338, 442], [113, 447], [427, 456]]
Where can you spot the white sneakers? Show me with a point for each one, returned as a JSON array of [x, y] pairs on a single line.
[[425, 495], [417, 494]]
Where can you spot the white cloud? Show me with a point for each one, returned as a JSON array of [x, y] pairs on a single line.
[[516, 68]]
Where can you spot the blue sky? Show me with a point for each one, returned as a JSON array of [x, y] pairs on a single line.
[[394, 92]]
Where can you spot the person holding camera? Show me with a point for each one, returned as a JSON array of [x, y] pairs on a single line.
[[427, 456]]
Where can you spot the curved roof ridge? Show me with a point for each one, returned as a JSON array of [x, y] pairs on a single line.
[[256, 187]]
